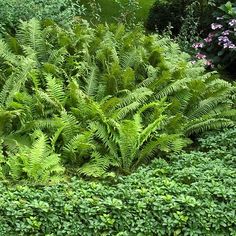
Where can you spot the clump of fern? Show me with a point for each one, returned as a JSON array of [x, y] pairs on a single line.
[[36, 163], [130, 142], [104, 98]]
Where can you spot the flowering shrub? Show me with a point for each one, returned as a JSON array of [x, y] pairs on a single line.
[[219, 47], [176, 12]]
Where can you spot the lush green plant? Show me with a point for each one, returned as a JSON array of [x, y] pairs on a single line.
[[189, 32], [134, 142], [219, 47], [194, 194], [62, 11], [37, 164], [219, 140], [88, 89], [130, 12]]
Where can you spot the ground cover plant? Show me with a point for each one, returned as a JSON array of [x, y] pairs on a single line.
[[190, 194], [100, 101]]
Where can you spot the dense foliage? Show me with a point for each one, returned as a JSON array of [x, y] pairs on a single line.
[[108, 130], [61, 11], [193, 194], [219, 47], [174, 12], [129, 12], [100, 99]]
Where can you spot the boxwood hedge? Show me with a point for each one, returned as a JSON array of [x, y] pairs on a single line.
[[191, 194]]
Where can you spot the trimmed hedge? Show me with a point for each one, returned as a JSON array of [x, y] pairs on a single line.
[[195, 194]]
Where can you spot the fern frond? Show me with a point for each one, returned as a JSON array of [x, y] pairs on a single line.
[[139, 95], [55, 91], [36, 163], [201, 125], [131, 58], [57, 57], [172, 142], [129, 132], [30, 35], [173, 87], [91, 83], [102, 132], [121, 113], [6, 54], [147, 152], [79, 146], [71, 126], [97, 166], [205, 107], [151, 128]]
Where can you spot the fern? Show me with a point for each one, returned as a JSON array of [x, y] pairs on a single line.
[[79, 147], [98, 165], [56, 92], [5, 53], [2, 160], [128, 140], [37, 163], [202, 125], [31, 38], [102, 100], [91, 83]]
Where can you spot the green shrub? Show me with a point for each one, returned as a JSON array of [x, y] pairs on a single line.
[[62, 11], [112, 11], [194, 194], [89, 89], [38, 162]]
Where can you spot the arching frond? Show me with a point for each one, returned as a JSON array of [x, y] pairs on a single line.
[[98, 165], [37, 162], [6, 54], [56, 92], [201, 125], [30, 36]]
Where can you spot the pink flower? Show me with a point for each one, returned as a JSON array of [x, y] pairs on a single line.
[[209, 63], [226, 32], [232, 22], [208, 39], [198, 45], [200, 56], [232, 46], [229, 44], [223, 39], [215, 26]]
